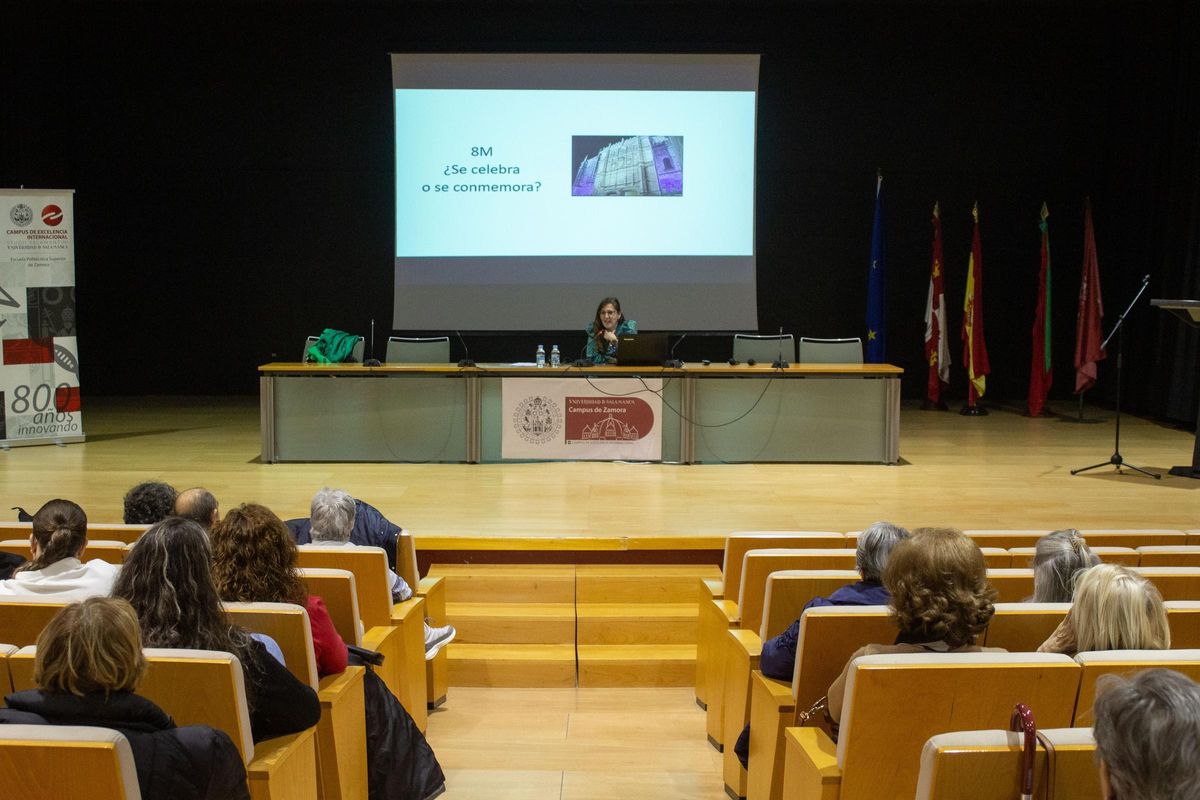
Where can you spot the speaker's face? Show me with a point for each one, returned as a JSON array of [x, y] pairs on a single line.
[[609, 316]]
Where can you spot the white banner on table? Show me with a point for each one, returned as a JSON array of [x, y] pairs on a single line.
[[39, 357], [601, 419]]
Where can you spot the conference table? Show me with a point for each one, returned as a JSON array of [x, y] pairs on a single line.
[[711, 413]]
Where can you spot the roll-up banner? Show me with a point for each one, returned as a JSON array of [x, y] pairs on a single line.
[[39, 359], [601, 419]]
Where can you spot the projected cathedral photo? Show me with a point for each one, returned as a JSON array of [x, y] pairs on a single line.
[[628, 166]]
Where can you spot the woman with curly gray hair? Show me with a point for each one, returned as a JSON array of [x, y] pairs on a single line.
[[941, 600]]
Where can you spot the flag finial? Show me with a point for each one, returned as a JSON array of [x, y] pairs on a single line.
[[937, 209], [1045, 210], [975, 212]]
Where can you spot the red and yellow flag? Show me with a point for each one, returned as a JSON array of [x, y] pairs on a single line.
[[975, 356], [937, 348]]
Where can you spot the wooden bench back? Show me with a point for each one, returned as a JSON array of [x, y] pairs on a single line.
[[1013, 584], [739, 543], [1022, 627], [1126, 556], [1170, 556], [372, 585], [109, 550], [23, 617], [1125, 663], [1175, 583], [986, 765], [894, 703], [109, 531], [1183, 618], [39, 761], [758, 564], [6, 685], [829, 635], [787, 593], [289, 626], [336, 588]]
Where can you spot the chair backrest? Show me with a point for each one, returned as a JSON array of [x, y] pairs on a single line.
[[997, 557], [1022, 627], [289, 626], [371, 583], [1125, 663], [103, 531], [6, 684], [1183, 618], [108, 550], [336, 587], [1013, 584], [406, 559], [100, 761], [1134, 537], [1175, 583], [196, 687], [894, 703], [1007, 539], [406, 350], [830, 351], [986, 765], [356, 353], [1126, 556], [829, 635], [786, 594], [22, 617], [1170, 556], [764, 349], [738, 543], [758, 564]]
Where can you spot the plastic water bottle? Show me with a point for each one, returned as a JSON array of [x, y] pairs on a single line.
[[541, 356], [555, 358]]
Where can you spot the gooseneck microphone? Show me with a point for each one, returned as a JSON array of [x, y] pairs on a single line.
[[779, 363], [371, 360], [466, 360], [672, 361]]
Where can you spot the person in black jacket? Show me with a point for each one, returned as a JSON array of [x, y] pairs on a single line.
[[167, 578], [89, 662]]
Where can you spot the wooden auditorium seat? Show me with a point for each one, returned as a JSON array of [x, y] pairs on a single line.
[[1022, 627], [1170, 556], [747, 615], [206, 687], [22, 617], [433, 589], [1175, 583], [341, 733], [894, 703], [1126, 556], [1125, 663], [986, 765], [1007, 539], [109, 550], [402, 645], [1014, 584], [1133, 537], [737, 544], [51, 762], [828, 636], [6, 685], [1183, 618], [108, 531]]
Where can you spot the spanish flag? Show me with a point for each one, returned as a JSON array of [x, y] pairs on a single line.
[[975, 356]]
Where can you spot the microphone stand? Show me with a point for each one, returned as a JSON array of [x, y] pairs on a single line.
[[672, 362], [779, 363], [1116, 459]]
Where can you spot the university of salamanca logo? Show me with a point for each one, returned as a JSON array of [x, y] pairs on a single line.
[[21, 215], [537, 419]]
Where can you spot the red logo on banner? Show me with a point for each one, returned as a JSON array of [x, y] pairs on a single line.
[[66, 399], [52, 215], [608, 419], [28, 351]]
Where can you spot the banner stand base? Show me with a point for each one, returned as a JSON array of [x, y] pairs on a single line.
[[61, 441]]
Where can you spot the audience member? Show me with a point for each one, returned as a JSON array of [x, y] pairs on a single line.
[[58, 540], [778, 658], [941, 600], [199, 505], [1114, 609], [1147, 733], [254, 560], [88, 666], [370, 528], [149, 502], [167, 578], [332, 520], [1058, 558]]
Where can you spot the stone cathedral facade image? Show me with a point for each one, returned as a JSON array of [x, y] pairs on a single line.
[[631, 166]]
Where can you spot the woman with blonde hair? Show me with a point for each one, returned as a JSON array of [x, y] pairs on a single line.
[[1058, 558], [57, 541], [941, 600], [1114, 608], [89, 663]]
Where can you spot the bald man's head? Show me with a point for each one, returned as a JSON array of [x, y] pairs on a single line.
[[198, 505]]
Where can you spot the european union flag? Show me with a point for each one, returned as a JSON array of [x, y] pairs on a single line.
[[876, 349]]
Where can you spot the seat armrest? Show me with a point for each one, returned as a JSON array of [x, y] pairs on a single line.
[[772, 709], [434, 591], [810, 766]]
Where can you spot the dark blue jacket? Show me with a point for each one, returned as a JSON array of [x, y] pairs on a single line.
[[370, 528], [778, 658], [194, 762]]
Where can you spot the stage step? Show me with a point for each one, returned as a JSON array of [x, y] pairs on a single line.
[[513, 623], [637, 664], [507, 583], [637, 623], [640, 583], [512, 665]]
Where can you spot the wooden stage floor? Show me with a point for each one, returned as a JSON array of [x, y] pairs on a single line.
[[999, 471]]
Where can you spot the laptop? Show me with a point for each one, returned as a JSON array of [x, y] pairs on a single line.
[[642, 348]]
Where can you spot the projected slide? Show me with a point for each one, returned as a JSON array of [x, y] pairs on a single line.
[[578, 175]]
